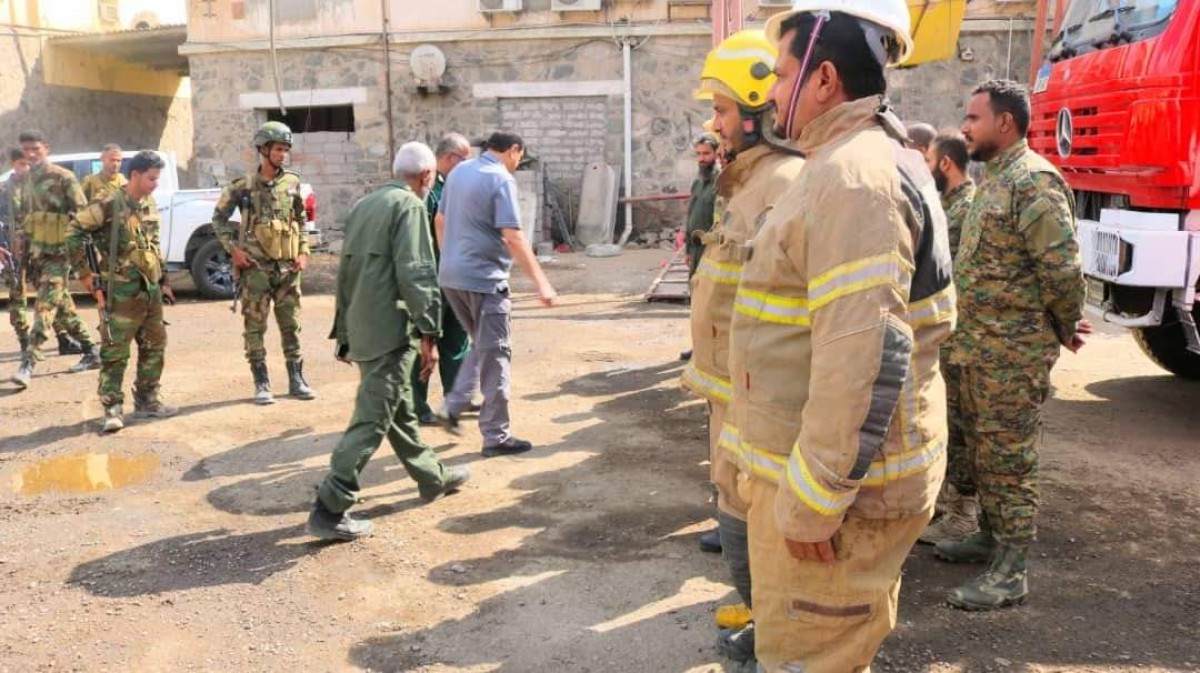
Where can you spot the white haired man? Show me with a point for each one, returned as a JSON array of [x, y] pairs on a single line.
[[388, 308]]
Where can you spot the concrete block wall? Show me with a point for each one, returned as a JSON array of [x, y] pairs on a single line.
[[565, 132]]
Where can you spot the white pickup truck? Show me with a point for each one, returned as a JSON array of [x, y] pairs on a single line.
[[189, 243]]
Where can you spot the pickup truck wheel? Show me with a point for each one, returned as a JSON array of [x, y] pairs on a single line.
[[1167, 347], [212, 271]]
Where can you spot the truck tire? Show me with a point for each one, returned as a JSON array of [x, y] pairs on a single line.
[[212, 271], [1167, 347]]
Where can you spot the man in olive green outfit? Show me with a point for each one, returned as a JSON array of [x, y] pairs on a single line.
[[99, 185], [269, 248], [387, 297], [454, 343]]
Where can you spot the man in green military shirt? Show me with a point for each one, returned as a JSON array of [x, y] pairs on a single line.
[[99, 185], [387, 299], [1020, 299], [49, 197], [15, 270], [454, 344], [123, 228], [948, 157], [702, 205], [270, 251]]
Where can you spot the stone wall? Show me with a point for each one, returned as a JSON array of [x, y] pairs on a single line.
[[82, 120], [565, 133]]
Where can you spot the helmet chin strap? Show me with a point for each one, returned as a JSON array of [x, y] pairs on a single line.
[[265, 152], [822, 18]]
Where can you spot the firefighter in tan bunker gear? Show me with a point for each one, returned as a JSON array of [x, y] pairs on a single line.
[[838, 410], [737, 77]]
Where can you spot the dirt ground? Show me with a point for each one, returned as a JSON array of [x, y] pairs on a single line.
[[180, 545]]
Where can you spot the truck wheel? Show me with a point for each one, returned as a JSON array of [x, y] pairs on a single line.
[[1167, 347], [212, 271]]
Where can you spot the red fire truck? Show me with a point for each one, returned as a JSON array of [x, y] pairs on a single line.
[[1116, 106]]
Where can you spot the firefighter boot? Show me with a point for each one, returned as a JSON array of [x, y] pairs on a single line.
[[113, 420], [67, 345], [960, 521], [21, 378], [1005, 583], [977, 548], [297, 386], [146, 404], [262, 384], [90, 360]]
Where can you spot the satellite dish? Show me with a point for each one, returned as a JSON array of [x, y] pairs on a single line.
[[428, 64]]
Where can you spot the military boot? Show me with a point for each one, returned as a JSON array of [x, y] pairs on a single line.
[[21, 378], [297, 386], [336, 526], [960, 521], [1005, 583], [148, 405], [67, 345], [113, 418], [90, 360], [262, 383], [977, 548]]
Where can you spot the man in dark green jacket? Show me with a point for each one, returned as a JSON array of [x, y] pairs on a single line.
[[703, 203], [454, 344], [387, 299]]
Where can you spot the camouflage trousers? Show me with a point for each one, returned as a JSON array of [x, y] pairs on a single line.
[[132, 316], [54, 307], [18, 309], [1000, 410], [958, 467], [273, 283]]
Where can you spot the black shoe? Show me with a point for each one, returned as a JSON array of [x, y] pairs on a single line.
[[710, 542], [455, 478], [67, 345], [427, 419], [297, 386], [737, 644], [685, 356], [509, 447], [473, 408], [448, 420], [90, 360], [329, 525]]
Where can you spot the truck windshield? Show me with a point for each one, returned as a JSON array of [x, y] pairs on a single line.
[[1092, 25]]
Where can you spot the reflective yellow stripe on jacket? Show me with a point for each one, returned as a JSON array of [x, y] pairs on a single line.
[[840, 281], [706, 384], [774, 467], [720, 273]]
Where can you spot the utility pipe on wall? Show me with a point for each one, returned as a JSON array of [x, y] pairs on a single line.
[[274, 57], [1038, 40], [387, 79], [627, 61]]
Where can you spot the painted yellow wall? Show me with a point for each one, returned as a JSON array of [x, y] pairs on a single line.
[[64, 66]]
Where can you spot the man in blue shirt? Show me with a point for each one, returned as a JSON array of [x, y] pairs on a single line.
[[479, 231]]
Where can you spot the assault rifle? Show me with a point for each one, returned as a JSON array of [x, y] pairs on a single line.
[[98, 286]]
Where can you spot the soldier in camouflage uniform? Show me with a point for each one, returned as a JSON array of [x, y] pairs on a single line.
[[1020, 298], [947, 157], [14, 267], [123, 227], [270, 250], [99, 185], [49, 197]]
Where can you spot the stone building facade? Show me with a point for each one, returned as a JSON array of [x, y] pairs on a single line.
[[559, 86]]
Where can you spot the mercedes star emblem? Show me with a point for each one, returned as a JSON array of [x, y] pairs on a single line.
[[1064, 134]]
